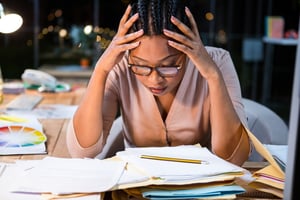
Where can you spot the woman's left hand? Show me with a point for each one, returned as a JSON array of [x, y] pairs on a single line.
[[190, 43]]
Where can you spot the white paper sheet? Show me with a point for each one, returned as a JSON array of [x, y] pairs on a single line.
[[178, 171], [278, 150], [67, 176]]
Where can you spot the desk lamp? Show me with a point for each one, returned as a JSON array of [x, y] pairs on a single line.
[[9, 22]]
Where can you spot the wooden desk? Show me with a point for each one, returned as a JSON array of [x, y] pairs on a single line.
[[55, 130]]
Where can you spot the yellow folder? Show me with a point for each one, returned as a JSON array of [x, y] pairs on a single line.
[[269, 179]]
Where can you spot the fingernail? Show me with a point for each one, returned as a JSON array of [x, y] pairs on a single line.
[[174, 19], [166, 31], [171, 42]]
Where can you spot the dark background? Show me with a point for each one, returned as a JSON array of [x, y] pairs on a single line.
[[236, 20]]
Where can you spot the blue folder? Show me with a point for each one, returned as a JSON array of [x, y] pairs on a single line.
[[206, 192]]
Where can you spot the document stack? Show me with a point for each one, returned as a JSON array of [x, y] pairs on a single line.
[[182, 172], [271, 178]]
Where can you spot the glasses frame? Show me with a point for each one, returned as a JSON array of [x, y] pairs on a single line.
[[156, 68]]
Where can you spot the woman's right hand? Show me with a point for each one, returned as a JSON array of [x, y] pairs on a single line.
[[121, 42]]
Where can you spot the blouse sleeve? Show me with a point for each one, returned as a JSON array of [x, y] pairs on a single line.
[[109, 112], [227, 68], [223, 60], [75, 149]]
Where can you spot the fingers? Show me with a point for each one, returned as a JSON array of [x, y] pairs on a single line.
[[190, 39], [125, 16], [192, 21], [122, 38], [129, 37], [182, 27], [126, 22], [189, 32], [179, 38], [122, 41], [180, 47]]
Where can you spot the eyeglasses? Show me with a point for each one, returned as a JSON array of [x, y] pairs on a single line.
[[164, 71]]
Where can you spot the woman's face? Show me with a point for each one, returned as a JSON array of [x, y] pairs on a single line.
[[154, 51]]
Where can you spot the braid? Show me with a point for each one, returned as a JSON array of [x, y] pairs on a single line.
[[143, 16], [155, 15], [155, 18], [171, 8]]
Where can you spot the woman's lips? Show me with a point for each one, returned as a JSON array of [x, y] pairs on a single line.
[[157, 90]]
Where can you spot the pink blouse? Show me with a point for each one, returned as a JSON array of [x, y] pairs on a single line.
[[187, 121]]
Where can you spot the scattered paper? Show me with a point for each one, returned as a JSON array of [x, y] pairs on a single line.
[[48, 111], [11, 175], [67, 176]]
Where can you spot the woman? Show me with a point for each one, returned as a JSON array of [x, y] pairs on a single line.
[[171, 90]]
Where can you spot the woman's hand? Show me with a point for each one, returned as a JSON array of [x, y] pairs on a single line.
[[121, 42], [190, 43]]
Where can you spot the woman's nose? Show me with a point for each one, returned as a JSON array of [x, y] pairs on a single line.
[[155, 77]]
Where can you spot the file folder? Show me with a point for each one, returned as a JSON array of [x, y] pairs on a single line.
[[271, 178]]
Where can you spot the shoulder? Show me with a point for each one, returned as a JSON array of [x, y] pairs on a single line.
[[217, 52], [220, 56]]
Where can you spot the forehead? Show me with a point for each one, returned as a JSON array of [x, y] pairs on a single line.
[[153, 48]]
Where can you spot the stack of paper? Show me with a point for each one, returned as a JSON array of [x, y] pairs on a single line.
[[177, 178], [160, 179], [271, 178], [21, 135]]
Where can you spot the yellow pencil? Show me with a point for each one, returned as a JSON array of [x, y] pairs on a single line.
[[171, 159]]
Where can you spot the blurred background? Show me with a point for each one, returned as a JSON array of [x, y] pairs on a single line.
[[76, 32]]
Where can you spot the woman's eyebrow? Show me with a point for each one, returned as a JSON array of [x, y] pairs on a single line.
[[163, 59]]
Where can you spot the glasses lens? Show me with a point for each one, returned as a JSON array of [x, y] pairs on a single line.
[[167, 71], [140, 70]]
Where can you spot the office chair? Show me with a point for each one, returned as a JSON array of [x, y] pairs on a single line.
[[266, 125], [115, 140]]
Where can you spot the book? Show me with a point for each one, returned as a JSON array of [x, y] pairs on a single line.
[[274, 26], [21, 135]]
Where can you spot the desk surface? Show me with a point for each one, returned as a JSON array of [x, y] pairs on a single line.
[[55, 129]]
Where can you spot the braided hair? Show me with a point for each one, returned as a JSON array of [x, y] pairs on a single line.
[[155, 15]]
